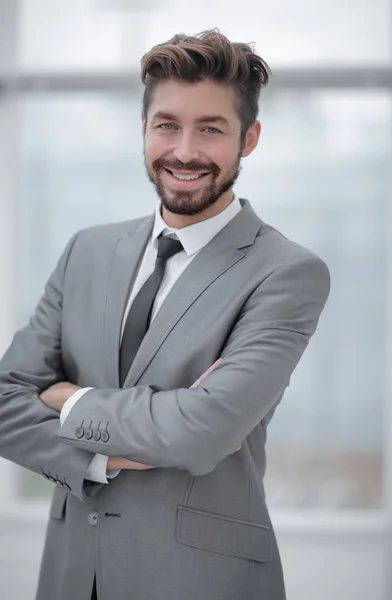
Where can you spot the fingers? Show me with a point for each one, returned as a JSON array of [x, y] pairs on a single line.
[[118, 463], [140, 467], [237, 448], [204, 375]]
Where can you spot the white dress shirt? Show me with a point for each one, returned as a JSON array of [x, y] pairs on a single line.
[[193, 238]]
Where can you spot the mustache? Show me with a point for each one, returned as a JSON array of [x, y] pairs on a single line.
[[172, 165]]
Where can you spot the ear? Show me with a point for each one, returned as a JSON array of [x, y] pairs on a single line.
[[251, 138], [144, 123]]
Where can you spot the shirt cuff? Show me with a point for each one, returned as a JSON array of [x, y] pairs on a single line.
[[97, 471], [68, 405]]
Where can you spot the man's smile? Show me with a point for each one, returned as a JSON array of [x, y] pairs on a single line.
[[185, 180]]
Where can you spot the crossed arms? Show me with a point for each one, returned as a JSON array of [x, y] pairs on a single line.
[[186, 428], [56, 396]]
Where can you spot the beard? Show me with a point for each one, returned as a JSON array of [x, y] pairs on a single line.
[[190, 203]]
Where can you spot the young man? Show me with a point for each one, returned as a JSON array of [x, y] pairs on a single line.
[[159, 479]]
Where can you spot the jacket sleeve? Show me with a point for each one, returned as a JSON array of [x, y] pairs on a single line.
[[32, 363], [194, 429]]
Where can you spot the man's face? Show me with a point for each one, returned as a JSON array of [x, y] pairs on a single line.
[[192, 144]]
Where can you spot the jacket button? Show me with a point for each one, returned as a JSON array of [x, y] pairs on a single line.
[[79, 432], [96, 435], [105, 436], [88, 434], [93, 518]]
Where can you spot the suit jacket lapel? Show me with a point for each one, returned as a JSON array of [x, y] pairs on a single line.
[[222, 253], [127, 253]]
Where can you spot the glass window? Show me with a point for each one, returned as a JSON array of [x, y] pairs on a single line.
[[92, 34], [82, 164], [321, 176], [318, 33], [81, 35]]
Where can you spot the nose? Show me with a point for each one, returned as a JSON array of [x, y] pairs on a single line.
[[185, 149]]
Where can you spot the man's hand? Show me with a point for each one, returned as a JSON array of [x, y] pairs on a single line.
[[56, 395], [117, 463]]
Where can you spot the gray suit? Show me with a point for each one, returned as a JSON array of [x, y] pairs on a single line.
[[196, 527]]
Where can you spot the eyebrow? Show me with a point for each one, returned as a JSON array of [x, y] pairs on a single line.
[[203, 119], [164, 115], [212, 119]]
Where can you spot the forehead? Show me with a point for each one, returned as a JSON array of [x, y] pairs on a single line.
[[189, 100]]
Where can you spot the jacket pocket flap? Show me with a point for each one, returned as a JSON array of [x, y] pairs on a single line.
[[58, 503], [224, 535]]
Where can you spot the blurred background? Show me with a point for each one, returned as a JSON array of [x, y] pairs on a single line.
[[71, 156]]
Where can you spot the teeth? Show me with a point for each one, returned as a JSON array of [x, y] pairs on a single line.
[[186, 177]]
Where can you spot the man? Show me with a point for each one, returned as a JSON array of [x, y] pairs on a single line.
[[159, 471]]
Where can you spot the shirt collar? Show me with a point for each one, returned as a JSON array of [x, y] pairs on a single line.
[[194, 237]]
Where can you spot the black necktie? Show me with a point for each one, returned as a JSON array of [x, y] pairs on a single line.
[[139, 316]]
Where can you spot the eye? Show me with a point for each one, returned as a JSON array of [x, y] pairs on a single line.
[[166, 126], [211, 130]]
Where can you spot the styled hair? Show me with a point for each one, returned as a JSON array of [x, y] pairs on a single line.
[[208, 55]]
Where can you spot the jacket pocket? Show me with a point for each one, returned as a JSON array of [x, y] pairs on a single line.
[[223, 535], [57, 508]]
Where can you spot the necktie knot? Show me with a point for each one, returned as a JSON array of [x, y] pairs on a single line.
[[168, 247]]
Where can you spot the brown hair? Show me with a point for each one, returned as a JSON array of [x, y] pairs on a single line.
[[209, 55]]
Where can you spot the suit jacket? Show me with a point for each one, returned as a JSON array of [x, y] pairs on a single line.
[[197, 526]]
